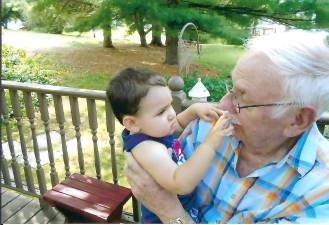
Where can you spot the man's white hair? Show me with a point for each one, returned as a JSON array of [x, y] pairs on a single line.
[[302, 59]]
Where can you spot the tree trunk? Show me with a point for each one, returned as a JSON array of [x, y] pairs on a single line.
[[140, 29], [142, 36], [156, 35], [171, 49], [107, 37]]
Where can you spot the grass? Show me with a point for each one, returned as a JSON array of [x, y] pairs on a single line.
[[219, 57], [86, 80]]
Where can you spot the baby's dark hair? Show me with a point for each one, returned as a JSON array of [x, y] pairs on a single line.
[[128, 87]]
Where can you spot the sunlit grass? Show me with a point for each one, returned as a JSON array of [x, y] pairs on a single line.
[[219, 57]]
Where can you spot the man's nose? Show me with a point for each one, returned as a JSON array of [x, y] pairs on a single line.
[[226, 104]]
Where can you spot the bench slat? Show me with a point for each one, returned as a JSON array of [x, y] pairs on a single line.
[[112, 193], [100, 184], [94, 199], [94, 212]]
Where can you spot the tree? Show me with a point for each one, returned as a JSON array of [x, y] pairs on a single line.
[[156, 34], [137, 16], [59, 13], [102, 17], [10, 10], [231, 20]]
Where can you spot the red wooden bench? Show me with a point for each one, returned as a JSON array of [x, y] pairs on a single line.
[[83, 199]]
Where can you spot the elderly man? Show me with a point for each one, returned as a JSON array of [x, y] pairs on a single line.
[[275, 168]]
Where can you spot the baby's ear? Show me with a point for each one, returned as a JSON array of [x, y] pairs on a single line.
[[130, 123]]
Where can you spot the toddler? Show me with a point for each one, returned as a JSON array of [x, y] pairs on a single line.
[[141, 101]]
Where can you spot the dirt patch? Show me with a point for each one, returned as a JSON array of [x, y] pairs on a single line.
[[108, 60], [86, 55]]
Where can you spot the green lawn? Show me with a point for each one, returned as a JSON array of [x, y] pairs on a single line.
[[219, 57], [86, 80]]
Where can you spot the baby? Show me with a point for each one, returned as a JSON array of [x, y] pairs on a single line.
[[141, 101]]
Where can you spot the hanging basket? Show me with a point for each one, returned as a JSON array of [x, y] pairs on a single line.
[[186, 50]]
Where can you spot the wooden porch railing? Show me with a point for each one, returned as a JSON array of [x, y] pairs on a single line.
[[34, 120]]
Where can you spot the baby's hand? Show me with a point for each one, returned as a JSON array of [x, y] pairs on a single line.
[[207, 111], [220, 129]]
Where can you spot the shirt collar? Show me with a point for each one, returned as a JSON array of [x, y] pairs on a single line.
[[302, 156]]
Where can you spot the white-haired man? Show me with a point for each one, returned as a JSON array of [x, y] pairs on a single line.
[[276, 167]]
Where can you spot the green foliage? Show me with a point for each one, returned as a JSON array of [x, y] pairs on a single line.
[[10, 10], [17, 66], [215, 86], [59, 13]]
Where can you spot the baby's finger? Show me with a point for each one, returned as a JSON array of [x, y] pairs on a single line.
[[228, 131], [211, 116], [218, 111], [221, 121]]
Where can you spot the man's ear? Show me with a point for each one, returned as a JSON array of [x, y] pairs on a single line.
[[130, 123], [300, 121]]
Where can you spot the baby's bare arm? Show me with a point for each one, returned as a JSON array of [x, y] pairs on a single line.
[[154, 158], [205, 111]]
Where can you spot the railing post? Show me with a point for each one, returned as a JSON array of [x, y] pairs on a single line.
[[60, 118], [136, 210], [43, 105], [176, 84], [18, 117], [30, 115], [322, 122], [77, 122], [110, 126], [14, 164], [92, 116]]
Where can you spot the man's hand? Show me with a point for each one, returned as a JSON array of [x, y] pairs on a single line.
[[161, 202]]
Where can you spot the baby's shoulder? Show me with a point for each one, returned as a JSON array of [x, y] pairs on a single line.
[[149, 145]]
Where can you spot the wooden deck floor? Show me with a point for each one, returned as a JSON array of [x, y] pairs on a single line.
[[18, 209]]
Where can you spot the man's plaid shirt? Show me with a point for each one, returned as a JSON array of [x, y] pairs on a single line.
[[294, 189]]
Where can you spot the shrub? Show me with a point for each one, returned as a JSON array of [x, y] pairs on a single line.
[[215, 86], [17, 66]]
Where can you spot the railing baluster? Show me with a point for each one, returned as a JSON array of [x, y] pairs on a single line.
[[110, 126], [92, 115], [58, 103], [14, 164], [4, 169], [18, 117], [77, 122], [30, 115], [43, 105]]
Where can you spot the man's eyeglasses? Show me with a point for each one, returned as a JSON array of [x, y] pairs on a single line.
[[238, 108]]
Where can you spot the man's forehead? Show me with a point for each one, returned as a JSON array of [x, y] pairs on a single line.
[[255, 72], [254, 64]]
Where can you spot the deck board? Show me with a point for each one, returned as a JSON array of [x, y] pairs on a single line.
[[13, 207], [7, 197], [18, 209], [59, 218], [23, 215], [44, 216]]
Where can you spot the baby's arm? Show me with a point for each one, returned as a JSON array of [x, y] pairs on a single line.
[[154, 158], [205, 111]]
